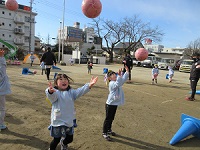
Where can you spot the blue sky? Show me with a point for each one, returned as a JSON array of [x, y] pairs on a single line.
[[178, 19]]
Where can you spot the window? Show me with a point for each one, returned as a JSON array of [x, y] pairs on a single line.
[[10, 25], [10, 36], [3, 12], [9, 14], [2, 24], [3, 35]]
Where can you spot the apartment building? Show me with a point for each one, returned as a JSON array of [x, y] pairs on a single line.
[[17, 28]]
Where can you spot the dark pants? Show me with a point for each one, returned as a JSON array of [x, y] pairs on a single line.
[[110, 115], [55, 141], [48, 70], [193, 84], [31, 63]]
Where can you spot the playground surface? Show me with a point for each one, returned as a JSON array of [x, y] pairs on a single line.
[[148, 120]]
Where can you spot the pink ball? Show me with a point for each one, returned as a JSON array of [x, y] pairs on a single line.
[[11, 5], [141, 54], [91, 8], [34, 72]]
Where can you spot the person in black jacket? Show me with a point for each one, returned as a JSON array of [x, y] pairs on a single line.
[[128, 61], [49, 60], [194, 75]]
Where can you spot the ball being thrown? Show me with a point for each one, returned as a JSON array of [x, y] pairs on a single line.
[[141, 54], [91, 8]]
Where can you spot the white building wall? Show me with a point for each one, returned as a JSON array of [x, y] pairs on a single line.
[[15, 28]]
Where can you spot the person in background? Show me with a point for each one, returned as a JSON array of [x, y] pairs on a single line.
[[4, 89], [32, 58], [43, 68], [89, 66], [155, 72], [49, 60], [171, 73], [128, 61], [194, 75]]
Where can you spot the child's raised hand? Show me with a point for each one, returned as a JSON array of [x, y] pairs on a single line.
[[93, 81], [126, 68], [1, 53], [120, 72], [51, 89]]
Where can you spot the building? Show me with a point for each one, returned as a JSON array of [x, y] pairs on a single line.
[[173, 50], [80, 39], [153, 48], [119, 48], [17, 28]]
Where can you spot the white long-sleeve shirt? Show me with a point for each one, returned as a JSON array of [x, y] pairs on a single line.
[[62, 112], [116, 93], [4, 81]]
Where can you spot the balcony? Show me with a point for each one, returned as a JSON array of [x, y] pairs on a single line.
[[19, 41], [19, 20], [18, 31]]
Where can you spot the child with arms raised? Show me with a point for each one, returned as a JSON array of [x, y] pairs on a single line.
[[62, 97], [115, 98]]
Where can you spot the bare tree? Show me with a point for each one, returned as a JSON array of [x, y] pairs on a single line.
[[193, 46], [132, 30], [111, 32], [137, 31]]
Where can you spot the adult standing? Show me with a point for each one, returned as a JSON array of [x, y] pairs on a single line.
[[194, 75], [4, 89], [128, 61], [49, 59]]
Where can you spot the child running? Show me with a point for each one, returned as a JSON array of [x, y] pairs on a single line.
[[155, 72], [115, 98], [62, 98], [171, 73]]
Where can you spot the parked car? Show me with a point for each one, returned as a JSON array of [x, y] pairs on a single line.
[[165, 62], [136, 62], [150, 61], [186, 65]]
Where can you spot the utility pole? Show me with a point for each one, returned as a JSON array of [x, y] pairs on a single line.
[[63, 36], [31, 2]]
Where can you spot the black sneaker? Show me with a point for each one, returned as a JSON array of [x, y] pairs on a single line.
[[111, 133], [107, 137]]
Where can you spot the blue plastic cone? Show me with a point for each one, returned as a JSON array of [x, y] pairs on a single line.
[[190, 126]]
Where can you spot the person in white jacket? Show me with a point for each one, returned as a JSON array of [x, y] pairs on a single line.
[[115, 98], [62, 98], [4, 89]]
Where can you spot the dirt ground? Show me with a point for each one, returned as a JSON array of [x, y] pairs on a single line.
[[148, 120]]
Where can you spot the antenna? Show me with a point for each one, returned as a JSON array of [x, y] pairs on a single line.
[[31, 2]]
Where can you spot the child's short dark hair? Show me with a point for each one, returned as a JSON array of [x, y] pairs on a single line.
[[110, 72], [58, 76]]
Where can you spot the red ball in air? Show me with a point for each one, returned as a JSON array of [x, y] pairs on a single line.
[[91, 8], [11, 5], [141, 54]]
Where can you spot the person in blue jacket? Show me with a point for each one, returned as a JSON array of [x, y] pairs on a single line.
[[4, 89], [62, 98], [115, 98]]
